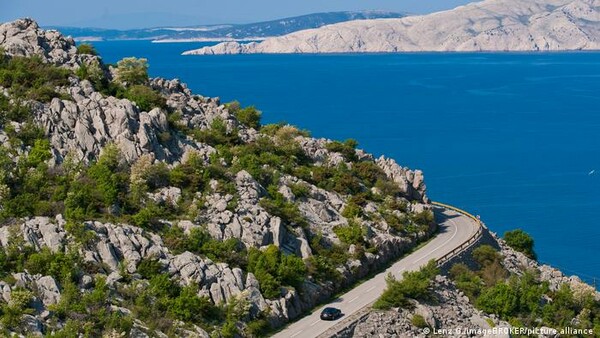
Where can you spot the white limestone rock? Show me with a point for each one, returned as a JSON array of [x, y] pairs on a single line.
[[491, 25]]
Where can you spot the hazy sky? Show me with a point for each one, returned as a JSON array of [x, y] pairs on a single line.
[[139, 13]]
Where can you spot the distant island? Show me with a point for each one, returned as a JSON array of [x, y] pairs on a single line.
[[491, 25], [225, 32]]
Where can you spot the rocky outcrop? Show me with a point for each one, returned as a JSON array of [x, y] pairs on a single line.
[[412, 183], [449, 309], [82, 127], [25, 38], [491, 25], [516, 262]]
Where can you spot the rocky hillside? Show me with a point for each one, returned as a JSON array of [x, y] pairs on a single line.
[[490, 25], [492, 286], [131, 206]]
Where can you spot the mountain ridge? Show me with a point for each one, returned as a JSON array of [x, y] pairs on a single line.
[[250, 31], [491, 25], [130, 206]]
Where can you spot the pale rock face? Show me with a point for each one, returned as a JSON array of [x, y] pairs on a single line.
[[166, 195], [22, 38], [491, 25], [451, 309], [39, 232], [412, 183], [48, 290]]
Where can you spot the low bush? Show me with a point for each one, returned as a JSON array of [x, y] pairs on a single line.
[[278, 206], [273, 269], [346, 148], [145, 98], [419, 321], [414, 285], [31, 78], [86, 48], [353, 233], [520, 241], [249, 116]]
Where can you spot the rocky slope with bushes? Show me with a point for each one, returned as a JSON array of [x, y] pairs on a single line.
[[131, 206], [498, 285]]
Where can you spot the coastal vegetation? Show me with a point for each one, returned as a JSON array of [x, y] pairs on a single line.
[[520, 241], [524, 300], [414, 285]]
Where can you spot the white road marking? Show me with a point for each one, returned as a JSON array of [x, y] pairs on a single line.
[[443, 244], [353, 299], [295, 334], [315, 323], [370, 289], [400, 271]]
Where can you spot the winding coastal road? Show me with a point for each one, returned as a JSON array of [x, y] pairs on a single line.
[[454, 229]]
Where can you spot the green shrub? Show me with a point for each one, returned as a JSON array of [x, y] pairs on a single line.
[[520, 241], [217, 134], [424, 218], [31, 78], [387, 187], [230, 251], [500, 299], [277, 205], [346, 148], [20, 304], [145, 98], [300, 190], [62, 266], [249, 116], [132, 71], [369, 172], [486, 255], [258, 327], [188, 307], [414, 285], [466, 280], [352, 210], [419, 321], [149, 267], [86, 48], [353, 233], [274, 270], [490, 262]]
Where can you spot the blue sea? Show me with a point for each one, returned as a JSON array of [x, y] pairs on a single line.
[[513, 137]]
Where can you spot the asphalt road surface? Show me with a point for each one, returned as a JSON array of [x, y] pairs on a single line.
[[454, 230]]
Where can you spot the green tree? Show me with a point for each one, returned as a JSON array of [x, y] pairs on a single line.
[[501, 299], [520, 241], [86, 48], [132, 71], [249, 116]]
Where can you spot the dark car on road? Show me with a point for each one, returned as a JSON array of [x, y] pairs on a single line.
[[331, 313]]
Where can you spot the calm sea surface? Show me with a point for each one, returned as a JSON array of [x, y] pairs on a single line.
[[514, 138]]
